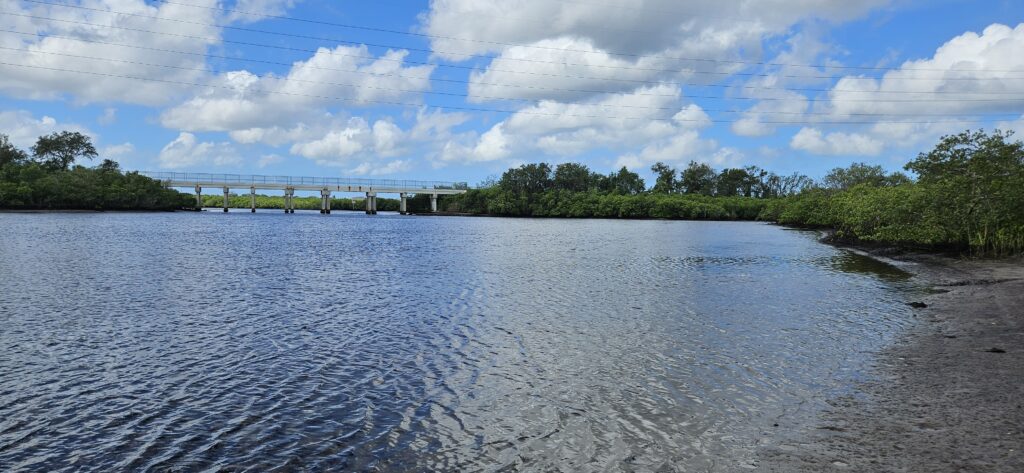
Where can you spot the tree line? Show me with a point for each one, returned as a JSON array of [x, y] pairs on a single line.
[[48, 177], [968, 195]]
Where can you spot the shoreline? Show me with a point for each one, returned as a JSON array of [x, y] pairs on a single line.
[[86, 211], [945, 396]]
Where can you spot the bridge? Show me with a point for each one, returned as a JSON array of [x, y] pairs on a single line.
[[325, 185]]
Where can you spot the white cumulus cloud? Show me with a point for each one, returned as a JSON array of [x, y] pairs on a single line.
[[186, 151], [814, 141]]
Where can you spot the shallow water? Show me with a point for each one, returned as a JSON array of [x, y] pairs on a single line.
[[200, 341]]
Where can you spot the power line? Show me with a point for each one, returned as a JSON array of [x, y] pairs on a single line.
[[532, 87], [523, 45], [466, 95], [493, 57], [479, 109], [413, 62]]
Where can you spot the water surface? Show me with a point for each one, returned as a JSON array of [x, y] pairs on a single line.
[[202, 341]]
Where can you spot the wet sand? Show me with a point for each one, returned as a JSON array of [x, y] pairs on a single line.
[[948, 396]]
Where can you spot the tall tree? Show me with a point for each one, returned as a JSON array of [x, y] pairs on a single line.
[[861, 173], [58, 151], [10, 153], [666, 182], [573, 177], [626, 182], [734, 181], [698, 178]]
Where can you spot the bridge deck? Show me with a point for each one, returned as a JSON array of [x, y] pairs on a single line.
[[333, 184]]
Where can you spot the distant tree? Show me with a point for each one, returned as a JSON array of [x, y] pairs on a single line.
[[109, 166], [573, 177], [528, 178], [698, 178], [58, 151], [733, 181], [754, 187], [665, 182], [10, 153], [794, 184], [626, 182], [488, 182], [862, 173]]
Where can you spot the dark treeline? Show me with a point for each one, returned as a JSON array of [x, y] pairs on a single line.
[[48, 178], [573, 190], [968, 195]]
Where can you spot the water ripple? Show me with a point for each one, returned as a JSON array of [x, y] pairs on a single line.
[[210, 342]]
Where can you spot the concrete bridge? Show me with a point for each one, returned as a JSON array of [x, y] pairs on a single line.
[[325, 185]]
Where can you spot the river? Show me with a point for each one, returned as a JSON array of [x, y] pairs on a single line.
[[201, 341]]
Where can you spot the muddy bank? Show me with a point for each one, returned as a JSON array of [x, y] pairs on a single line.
[[948, 396]]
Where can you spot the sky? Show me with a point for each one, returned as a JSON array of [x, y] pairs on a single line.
[[460, 90]]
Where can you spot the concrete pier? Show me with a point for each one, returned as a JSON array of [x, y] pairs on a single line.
[[403, 207], [371, 203], [199, 197], [289, 200], [325, 201], [252, 199], [226, 199], [433, 202]]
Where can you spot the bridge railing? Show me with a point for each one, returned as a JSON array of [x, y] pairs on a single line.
[[249, 180]]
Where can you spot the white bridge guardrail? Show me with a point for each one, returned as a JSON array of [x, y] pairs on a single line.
[[242, 180]]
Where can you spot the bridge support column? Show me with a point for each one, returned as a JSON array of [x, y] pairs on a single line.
[[226, 199], [433, 202], [199, 197], [371, 203], [403, 207], [289, 202], [325, 201], [252, 199]]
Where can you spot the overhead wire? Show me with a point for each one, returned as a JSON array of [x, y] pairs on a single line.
[[467, 95], [493, 57], [479, 109], [414, 62]]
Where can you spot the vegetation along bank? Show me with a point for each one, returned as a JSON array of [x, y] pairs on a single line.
[[968, 195], [965, 194]]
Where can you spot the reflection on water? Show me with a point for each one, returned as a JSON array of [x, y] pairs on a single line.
[[205, 341], [849, 262]]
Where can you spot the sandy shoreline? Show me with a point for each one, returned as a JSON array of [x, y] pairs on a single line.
[[947, 396]]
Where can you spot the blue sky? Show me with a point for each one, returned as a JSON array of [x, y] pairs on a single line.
[[462, 89]]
